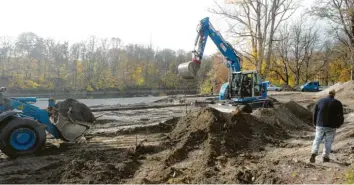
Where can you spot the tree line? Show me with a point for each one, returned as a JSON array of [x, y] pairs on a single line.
[[33, 62]]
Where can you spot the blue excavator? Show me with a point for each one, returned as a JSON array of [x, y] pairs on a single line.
[[23, 126], [245, 89]]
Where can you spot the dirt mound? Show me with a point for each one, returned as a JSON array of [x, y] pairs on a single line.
[[79, 111], [311, 106], [346, 91], [287, 116], [343, 90], [217, 136], [299, 111], [221, 132]]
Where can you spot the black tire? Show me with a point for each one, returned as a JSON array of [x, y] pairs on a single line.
[[246, 108], [268, 104], [17, 123]]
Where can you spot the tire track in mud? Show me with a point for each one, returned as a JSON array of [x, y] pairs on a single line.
[[25, 164]]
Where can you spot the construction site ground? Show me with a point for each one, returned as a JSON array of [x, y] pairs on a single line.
[[189, 144]]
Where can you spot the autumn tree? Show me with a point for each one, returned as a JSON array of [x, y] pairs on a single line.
[[257, 21], [340, 13]]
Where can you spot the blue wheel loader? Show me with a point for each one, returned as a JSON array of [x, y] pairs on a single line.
[[23, 126]]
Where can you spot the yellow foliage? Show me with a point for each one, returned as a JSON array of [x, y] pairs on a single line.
[[206, 87], [137, 76], [340, 71], [247, 65], [89, 88], [79, 67], [31, 84]]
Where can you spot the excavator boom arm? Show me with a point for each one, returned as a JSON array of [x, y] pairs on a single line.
[[205, 30]]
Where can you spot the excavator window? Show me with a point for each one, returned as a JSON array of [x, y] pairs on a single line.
[[236, 84], [257, 85], [247, 85]]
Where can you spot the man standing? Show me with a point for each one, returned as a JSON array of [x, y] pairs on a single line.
[[328, 116]]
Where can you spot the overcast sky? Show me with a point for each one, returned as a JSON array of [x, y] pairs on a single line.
[[168, 23]]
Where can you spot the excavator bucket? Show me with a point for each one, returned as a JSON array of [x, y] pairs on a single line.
[[69, 129], [188, 70], [228, 108]]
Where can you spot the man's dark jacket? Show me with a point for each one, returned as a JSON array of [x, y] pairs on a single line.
[[328, 113]]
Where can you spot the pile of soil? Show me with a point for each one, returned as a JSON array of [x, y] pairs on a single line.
[[219, 136], [286, 117], [230, 133], [300, 112], [79, 111], [311, 106], [343, 90], [336, 87]]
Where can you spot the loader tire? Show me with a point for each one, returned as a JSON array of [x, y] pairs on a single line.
[[21, 137]]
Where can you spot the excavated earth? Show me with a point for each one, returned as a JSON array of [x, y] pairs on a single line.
[[192, 145]]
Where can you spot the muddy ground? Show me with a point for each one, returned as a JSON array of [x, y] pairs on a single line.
[[192, 145]]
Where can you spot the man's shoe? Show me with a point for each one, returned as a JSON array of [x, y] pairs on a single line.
[[325, 159], [313, 158]]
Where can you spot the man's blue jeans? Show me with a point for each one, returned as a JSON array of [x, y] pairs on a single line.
[[326, 133]]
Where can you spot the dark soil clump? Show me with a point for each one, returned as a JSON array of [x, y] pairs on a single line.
[[79, 111]]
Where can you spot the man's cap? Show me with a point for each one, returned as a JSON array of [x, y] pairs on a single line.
[[332, 92]]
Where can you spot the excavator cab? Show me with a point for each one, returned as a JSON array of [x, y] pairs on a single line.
[[245, 85]]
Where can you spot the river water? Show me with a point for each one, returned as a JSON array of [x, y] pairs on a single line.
[[43, 102]]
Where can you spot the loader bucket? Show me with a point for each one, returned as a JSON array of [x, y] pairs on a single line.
[[72, 118], [188, 70], [69, 129]]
